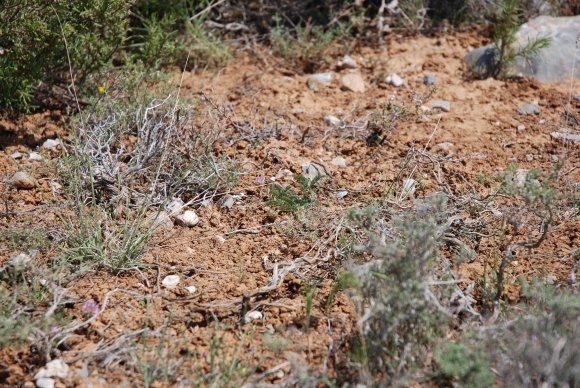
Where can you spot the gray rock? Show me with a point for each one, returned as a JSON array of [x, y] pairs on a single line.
[[577, 97], [175, 206], [395, 80], [159, 220], [22, 180], [551, 64], [529, 109], [565, 135], [55, 368], [312, 170], [429, 79], [521, 128], [340, 194], [16, 155], [347, 63], [227, 201], [445, 106], [353, 82]]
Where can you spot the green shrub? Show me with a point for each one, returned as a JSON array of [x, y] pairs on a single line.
[[32, 38], [468, 365]]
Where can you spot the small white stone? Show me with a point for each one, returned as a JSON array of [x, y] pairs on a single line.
[[227, 201], [160, 219], [253, 316], [445, 146], [175, 206], [191, 289], [339, 161], [17, 155], [188, 218], [312, 170], [220, 239], [35, 157], [550, 279], [323, 78], [520, 177], [51, 144], [170, 281], [55, 368], [395, 80], [45, 382], [347, 63], [542, 121], [340, 194], [409, 187], [333, 121], [521, 128]]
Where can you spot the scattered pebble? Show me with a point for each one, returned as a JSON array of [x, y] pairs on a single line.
[[175, 206], [55, 368], [521, 128], [51, 144], [170, 281], [322, 78], [220, 239], [529, 157], [395, 80], [16, 155], [429, 79], [353, 82], [347, 63], [550, 280], [191, 289], [45, 382], [312, 170], [542, 121], [340, 194], [333, 121], [577, 97], [444, 106], [22, 180], [160, 219], [565, 136], [35, 157], [554, 158], [339, 161], [227, 202], [253, 316], [445, 146], [409, 187], [528, 109], [188, 218], [520, 177]]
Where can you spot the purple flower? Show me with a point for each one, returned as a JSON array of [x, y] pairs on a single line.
[[90, 307], [260, 179], [54, 330]]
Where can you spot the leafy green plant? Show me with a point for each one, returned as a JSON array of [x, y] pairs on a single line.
[[465, 364], [504, 37], [287, 200]]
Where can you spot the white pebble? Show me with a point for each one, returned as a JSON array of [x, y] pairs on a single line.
[[339, 161], [35, 157], [395, 80], [347, 63], [170, 281], [191, 289], [20, 260], [17, 155], [521, 128], [333, 121], [45, 382], [55, 368], [51, 144], [323, 78], [340, 194], [188, 218], [253, 316], [409, 187]]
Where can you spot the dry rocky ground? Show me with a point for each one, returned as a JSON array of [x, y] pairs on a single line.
[[272, 123]]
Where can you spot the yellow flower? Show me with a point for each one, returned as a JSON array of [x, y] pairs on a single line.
[[101, 89]]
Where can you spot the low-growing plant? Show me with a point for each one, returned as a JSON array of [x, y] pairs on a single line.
[[400, 314], [468, 365], [287, 200], [504, 37]]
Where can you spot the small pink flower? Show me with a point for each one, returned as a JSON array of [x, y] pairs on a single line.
[[54, 330], [90, 307]]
